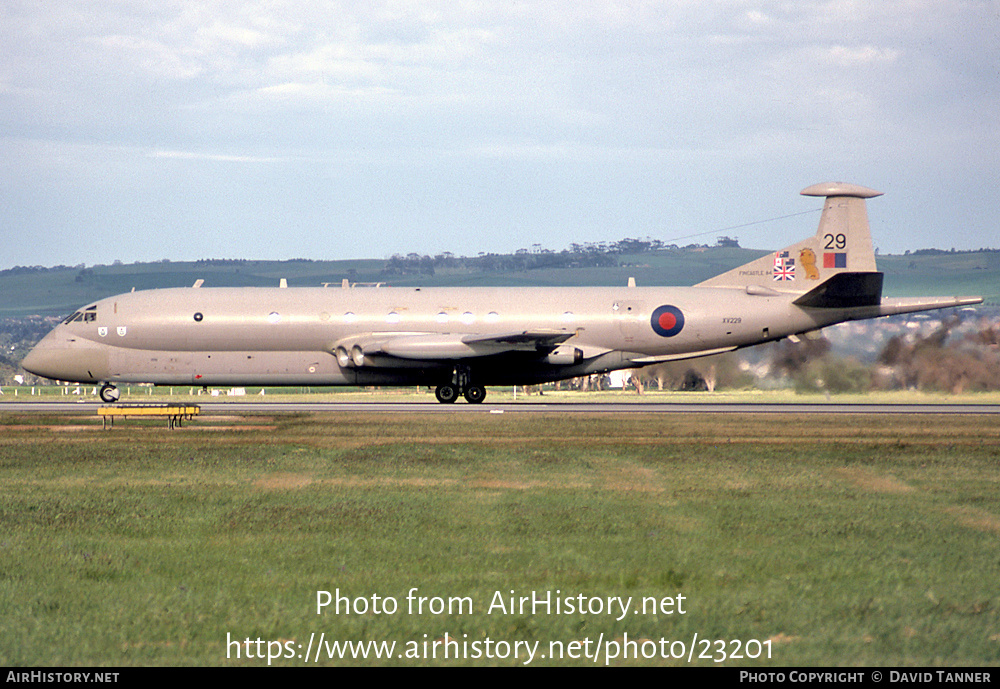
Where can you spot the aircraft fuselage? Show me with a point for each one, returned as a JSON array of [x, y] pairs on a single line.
[[265, 336]]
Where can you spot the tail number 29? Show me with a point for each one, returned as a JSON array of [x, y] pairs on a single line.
[[835, 241]]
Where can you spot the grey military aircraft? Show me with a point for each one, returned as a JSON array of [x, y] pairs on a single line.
[[463, 339]]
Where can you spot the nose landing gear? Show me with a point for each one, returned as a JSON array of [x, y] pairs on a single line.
[[109, 393]]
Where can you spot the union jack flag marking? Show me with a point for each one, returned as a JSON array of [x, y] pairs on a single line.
[[784, 267]]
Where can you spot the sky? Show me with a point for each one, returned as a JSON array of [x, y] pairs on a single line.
[[143, 130]]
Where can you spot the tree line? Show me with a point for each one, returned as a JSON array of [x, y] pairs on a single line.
[[577, 255]]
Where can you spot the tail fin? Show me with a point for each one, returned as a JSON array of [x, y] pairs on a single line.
[[842, 244]]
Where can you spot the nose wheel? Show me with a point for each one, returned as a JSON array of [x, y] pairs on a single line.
[[109, 393]]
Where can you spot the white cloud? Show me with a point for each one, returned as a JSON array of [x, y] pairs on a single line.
[[602, 101], [214, 157], [856, 56], [153, 57]]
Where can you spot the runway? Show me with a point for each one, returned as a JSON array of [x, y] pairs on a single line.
[[533, 407]]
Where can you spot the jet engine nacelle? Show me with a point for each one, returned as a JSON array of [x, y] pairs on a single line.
[[565, 355]]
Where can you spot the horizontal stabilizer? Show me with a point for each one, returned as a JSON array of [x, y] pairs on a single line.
[[844, 290], [891, 307]]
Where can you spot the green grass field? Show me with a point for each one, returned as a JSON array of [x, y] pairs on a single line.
[[816, 540]]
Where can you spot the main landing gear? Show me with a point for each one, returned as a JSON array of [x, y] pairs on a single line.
[[448, 393], [460, 384], [109, 393]]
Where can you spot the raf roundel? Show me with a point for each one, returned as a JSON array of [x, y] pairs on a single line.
[[667, 321]]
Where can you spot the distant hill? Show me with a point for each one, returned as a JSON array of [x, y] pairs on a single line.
[[60, 290]]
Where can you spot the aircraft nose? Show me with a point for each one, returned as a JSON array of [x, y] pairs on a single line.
[[42, 361], [66, 360]]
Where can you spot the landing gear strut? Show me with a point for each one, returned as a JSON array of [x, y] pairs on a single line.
[[109, 393], [461, 384]]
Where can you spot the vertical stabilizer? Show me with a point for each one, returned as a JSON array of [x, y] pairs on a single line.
[[842, 244]]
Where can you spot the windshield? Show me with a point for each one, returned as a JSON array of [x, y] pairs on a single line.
[[87, 315]]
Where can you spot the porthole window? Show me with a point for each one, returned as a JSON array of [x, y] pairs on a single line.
[[198, 316]]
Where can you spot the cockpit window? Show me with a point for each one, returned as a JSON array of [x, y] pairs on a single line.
[[88, 315]]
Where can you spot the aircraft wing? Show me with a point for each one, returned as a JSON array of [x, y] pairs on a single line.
[[532, 339], [451, 346], [680, 357]]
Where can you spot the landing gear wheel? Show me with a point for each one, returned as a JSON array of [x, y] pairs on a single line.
[[446, 394], [110, 394], [475, 394]]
